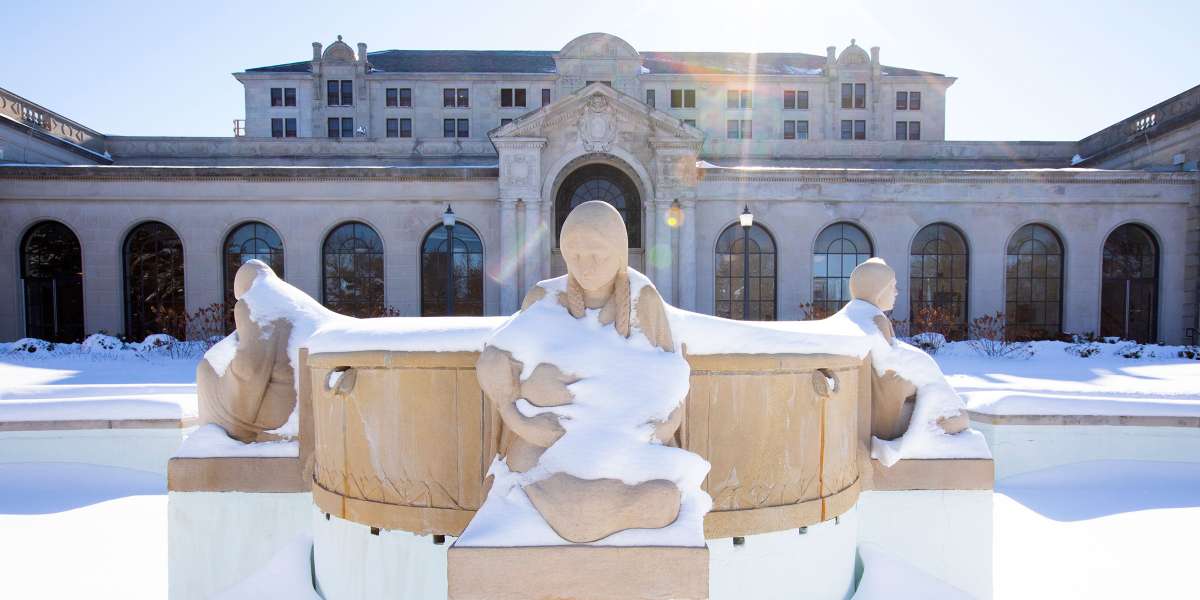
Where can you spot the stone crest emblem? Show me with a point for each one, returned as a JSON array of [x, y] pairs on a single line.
[[597, 125]]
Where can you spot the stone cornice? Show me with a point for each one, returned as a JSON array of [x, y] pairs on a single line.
[[264, 174], [892, 176]]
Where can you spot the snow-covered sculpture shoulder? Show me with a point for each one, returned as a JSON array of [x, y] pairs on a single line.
[[589, 388]]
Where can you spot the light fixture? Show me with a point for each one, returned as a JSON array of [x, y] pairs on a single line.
[[747, 217], [449, 218], [674, 214]]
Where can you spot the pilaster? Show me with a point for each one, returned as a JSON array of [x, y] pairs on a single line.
[[509, 267], [687, 255], [521, 248]]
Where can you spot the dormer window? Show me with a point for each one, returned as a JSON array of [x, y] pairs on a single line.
[[339, 92]]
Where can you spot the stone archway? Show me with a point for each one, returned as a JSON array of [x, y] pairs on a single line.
[[599, 177]]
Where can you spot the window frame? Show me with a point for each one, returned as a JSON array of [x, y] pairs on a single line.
[[739, 99], [456, 97], [744, 129], [650, 98], [794, 125], [545, 96], [341, 90], [796, 96], [683, 95]]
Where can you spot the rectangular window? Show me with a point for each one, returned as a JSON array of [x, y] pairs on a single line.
[[405, 128], [339, 92], [914, 101], [393, 128], [739, 99], [519, 97], [860, 95], [448, 98], [545, 96], [860, 130], [392, 98], [289, 128], [605, 82], [650, 98], [795, 100], [334, 127], [901, 104], [456, 98], [464, 128], [847, 130], [347, 127], [512, 97], [739, 129], [404, 99], [795, 130], [901, 129], [683, 98], [347, 92], [289, 96], [447, 128], [276, 127], [847, 95], [504, 122], [689, 122], [914, 130], [276, 96]]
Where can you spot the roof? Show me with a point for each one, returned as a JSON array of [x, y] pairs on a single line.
[[542, 61]]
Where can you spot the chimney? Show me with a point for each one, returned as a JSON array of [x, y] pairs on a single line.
[[875, 61], [316, 50], [830, 60], [362, 52]]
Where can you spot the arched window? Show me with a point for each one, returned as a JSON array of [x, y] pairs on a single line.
[[154, 300], [352, 270], [52, 277], [601, 182], [839, 248], [1129, 294], [250, 241], [938, 279], [733, 277], [1033, 283], [465, 279]]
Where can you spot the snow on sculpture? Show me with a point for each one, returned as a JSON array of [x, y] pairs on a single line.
[[589, 388]]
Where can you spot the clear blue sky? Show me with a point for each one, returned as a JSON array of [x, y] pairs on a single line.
[[1030, 70]]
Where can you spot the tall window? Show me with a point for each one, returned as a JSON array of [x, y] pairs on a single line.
[[340, 128], [650, 98], [854, 130], [399, 128], [545, 96], [908, 100], [250, 241], [839, 248], [339, 92], [601, 182], [52, 278], [285, 127], [795, 100], [1129, 293], [731, 274], [456, 128], [283, 96], [937, 278], [681, 98], [1033, 283], [352, 271], [154, 301], [398, 97], [854, 95], [456, 97], [466, 258], [795, 130]]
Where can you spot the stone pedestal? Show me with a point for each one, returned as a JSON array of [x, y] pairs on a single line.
[[578, 572]]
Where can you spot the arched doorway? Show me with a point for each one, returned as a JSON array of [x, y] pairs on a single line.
[[1129, 293], [839, 248], [1033, 283], [52, 277], [599, 181], [938, 272], [154, 301], [731, 275], [352, 271], [465, 278], [250, 241]]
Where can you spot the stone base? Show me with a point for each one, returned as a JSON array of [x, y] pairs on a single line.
[[578, 572]]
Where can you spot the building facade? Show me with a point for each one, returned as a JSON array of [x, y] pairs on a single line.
[[348, 163]]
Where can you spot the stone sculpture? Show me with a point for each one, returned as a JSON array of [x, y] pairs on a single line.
[[597, 286], [893, 397], [255, 393]]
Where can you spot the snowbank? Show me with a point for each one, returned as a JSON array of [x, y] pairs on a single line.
[[210, 441], [405, 334], [287, 576], [886, 577]]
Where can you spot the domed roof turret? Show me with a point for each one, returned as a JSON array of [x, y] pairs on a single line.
[[339, 50], [853, 55]]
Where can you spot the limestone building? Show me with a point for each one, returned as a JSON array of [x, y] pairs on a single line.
[[345, 166]]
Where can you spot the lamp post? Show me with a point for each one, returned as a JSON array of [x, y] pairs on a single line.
[[747, 220], [448, 221]]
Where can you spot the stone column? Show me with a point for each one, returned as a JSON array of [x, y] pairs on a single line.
[[648, 241], [687, 256], [531, 250], [507, 275], [663, 256]]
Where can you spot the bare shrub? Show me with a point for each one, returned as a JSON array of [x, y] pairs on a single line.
[[989, 337]]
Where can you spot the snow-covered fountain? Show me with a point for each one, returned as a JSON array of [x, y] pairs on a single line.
[[598, 444]]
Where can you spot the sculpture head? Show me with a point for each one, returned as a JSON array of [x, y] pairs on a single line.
[[246, 274], [594, 245], [875, 282]]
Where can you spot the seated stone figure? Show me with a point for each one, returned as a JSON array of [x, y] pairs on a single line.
[[892, 397], [594, 245], [256, 392]]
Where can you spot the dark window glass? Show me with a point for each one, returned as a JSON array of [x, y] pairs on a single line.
[[52, 281], [504, 122], [448, 128], [452, 262], [276, 96], [601, 182], [464, 128], [860, 95], [789, 130], [689, 98], [839, 248], [463, 97], [1129, 292], [289, 96], [392, 97], [334, 127], [847, 95], [901, 130], [789, 99], [901, 100], [347, 127], [676, 98], [735, 252], [289, 128], [249, 241], [860, 130], [393, 128], [802, 100], [333, 95], [914, 101], [448, 98], [506, 97], [1033, 283], [650, 98], [352, 271], [802, 130], [404, 98], [691, 122], [914, 130], [277, 128], [154, 301], [519, 97], [405, 128], [545, 96], [847, 130], [347, 92], [938, 278]]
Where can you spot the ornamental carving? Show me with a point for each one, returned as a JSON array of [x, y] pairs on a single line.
[[597, 124], [515, 170]]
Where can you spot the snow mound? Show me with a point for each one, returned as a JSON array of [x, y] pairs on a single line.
[[886, 577], [210, 441], [287, 576]]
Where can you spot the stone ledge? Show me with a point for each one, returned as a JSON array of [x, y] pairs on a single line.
[[578, 572], [76, 424], [236, 474], [1087, 420], [934, 474]]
